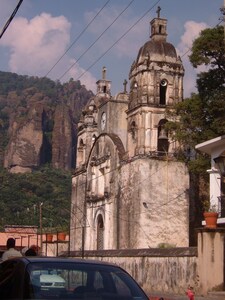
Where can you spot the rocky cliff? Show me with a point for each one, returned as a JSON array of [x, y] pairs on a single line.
[[38, 123]]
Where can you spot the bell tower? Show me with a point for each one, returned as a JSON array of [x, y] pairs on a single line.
[[103, 87], [156, 82]]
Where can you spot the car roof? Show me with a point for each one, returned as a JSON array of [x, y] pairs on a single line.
[[40, 259]]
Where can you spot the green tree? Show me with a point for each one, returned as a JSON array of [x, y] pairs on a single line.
[[21, 195], [208, 50], [202, 116]]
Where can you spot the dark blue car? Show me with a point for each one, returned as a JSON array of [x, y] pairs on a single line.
[[62, 278]]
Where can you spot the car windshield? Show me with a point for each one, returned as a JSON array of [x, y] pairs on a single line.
[[81, 281]]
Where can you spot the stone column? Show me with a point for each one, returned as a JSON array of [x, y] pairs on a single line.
[[211, 259]]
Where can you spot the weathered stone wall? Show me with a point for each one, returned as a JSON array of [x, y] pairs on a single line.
[[154, 204], [156, 270], [211, 259]]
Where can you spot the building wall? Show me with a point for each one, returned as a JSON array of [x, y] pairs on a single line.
[[211, 259], [154, 204], [171, 270], [147, 205]]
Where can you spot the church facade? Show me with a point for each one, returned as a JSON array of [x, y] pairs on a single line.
[[128, 190]]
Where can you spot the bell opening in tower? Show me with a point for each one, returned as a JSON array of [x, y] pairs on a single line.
[[163, 141]]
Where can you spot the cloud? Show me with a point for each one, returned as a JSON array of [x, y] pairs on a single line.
[[192, 31], [36, 45]]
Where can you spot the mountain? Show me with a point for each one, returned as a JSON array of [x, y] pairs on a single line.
[[38, 120], [38, 125]]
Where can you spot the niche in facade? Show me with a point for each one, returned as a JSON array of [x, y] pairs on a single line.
[[133, 129]]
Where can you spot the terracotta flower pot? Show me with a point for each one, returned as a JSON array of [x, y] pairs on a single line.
[[49, 237], [61, 236], [211, 219]]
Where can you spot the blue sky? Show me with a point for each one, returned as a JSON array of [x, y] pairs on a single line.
[[43, 31]]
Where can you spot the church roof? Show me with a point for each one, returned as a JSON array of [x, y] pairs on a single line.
[[158, 51]]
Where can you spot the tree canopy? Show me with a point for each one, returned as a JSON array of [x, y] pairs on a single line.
[[21, 195], [202, 116]]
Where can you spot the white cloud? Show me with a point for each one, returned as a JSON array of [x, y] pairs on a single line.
[[36, 45], [192, 31]]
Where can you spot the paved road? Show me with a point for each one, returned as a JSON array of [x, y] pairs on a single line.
[[182, 297]]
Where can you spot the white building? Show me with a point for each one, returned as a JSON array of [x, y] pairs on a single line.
[[216, 149]]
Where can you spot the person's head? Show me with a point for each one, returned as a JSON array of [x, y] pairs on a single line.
[[30, 252], [11, 242]]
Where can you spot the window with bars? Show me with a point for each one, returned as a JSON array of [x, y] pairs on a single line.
[[100, 233]]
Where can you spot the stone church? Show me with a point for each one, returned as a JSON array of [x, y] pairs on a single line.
[[128, 189]]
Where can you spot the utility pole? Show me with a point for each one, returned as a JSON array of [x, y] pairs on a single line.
[[223, 12], [40, 224], [84, 217]]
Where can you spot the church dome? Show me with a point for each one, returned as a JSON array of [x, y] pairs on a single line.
[[157, 51]]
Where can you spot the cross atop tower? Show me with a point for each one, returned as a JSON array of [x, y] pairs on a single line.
[[158, 11], [104, 73], [125, 86]]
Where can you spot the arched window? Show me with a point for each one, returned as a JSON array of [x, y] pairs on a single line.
[[160, 28], [100, 233], [162, 92]]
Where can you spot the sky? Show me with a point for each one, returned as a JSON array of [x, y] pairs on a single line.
[[63, 39]]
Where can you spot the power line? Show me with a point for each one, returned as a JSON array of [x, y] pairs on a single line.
[[95, 41], [116, 41], [10, 18], [74, 42]]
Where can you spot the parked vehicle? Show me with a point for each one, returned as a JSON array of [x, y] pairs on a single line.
[[49, 279], [62, 278]]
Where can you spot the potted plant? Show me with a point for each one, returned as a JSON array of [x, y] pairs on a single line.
[[49, 237], [62, 232], [61, 236], [210, 215]]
